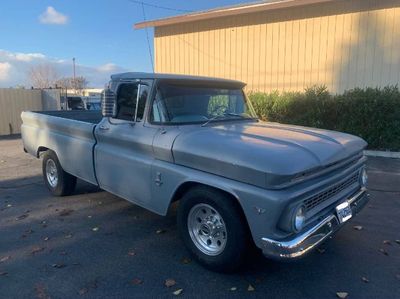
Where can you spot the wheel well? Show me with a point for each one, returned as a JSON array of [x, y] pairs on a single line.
[[40, 150], [182, 189], [185, 187]]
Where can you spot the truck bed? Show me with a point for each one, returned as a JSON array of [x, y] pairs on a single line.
[[93, 117], [69, 133]]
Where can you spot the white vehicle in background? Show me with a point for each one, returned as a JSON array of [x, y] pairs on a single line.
[[93, 101], [77, 102]]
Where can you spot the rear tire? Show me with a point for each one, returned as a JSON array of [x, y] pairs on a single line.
[[213, 228], [59, 182]]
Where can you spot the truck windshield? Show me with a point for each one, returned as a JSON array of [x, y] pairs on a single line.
[[183, 104]]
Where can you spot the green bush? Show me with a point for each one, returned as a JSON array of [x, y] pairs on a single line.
[[371, 113]]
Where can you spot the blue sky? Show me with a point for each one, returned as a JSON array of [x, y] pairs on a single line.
[[98, 33]]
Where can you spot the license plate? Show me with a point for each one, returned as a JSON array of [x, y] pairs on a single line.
[[343, 212]]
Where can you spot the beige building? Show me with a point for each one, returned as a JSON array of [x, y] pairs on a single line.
[[285, 45]]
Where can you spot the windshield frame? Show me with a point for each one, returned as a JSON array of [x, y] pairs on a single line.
[[196, 84]]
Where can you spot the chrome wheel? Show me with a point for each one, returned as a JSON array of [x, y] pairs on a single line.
[[207, 229], [51, 173]]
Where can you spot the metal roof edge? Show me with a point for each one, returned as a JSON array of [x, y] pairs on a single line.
[[227, 11]]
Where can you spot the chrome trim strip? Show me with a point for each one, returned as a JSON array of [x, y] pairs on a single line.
[[350, 162], [302, 244], [357, 195], [307, 241]]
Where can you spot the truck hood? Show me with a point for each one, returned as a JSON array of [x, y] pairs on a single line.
[[262, 153]]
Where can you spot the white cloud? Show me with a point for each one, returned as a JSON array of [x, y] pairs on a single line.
[[52, 16], [108, 67], [29, 56], [14, 67], [21, 56], [5, 68]]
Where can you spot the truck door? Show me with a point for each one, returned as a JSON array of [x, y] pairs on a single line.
[[123, 154]]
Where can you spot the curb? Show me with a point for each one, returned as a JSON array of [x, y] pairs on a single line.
[[383, 154]]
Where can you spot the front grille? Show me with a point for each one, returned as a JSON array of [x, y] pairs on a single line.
[[315, 200]]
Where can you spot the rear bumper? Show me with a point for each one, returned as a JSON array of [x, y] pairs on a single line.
[[307, 241]]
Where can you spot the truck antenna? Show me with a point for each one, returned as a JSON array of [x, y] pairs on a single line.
[[73, 65], [148, 40]]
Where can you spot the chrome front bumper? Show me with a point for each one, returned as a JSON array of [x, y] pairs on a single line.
[[310, 239]]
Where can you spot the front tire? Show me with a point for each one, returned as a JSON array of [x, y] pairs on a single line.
[[213, 228], [59, 182]]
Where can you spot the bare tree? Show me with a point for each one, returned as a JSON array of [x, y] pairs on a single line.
[[78, 85], [65, 83], [43, 75]]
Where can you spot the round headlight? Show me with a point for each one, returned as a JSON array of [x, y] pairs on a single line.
[[363, 178], [299, 218]]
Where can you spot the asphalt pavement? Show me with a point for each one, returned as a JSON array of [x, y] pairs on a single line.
[[95, 245]]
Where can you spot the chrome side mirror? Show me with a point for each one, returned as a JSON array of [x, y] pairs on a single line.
[[108, 103]]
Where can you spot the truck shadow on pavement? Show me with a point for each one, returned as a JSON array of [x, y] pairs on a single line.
[[95, 244], [82, 187]]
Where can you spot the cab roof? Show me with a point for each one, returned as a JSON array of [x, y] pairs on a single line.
[[176, 78]]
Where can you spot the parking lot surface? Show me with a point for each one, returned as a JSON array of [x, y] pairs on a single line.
[[95, 245]]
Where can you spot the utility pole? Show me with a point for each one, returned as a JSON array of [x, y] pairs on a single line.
[[73, 63]]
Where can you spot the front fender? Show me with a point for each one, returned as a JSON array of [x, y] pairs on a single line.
[[261, 207]]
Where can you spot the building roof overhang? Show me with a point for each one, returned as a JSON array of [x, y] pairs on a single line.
[[228, 11]]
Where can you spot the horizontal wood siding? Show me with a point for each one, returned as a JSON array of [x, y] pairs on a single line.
[[342, 45]]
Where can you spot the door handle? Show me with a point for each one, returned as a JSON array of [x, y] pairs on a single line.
[[104, 128]]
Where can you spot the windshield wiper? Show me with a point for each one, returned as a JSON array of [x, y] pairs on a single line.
[[223, 116]]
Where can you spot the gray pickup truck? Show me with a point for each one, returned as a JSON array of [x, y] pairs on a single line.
[[239, 181]]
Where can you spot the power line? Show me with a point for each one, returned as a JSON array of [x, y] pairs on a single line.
[[148, 40], [158, 6], [143, 4]]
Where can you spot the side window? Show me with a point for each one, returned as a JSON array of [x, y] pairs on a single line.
[[155, 113], [158, 109], [126, 101], [143, 95]]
